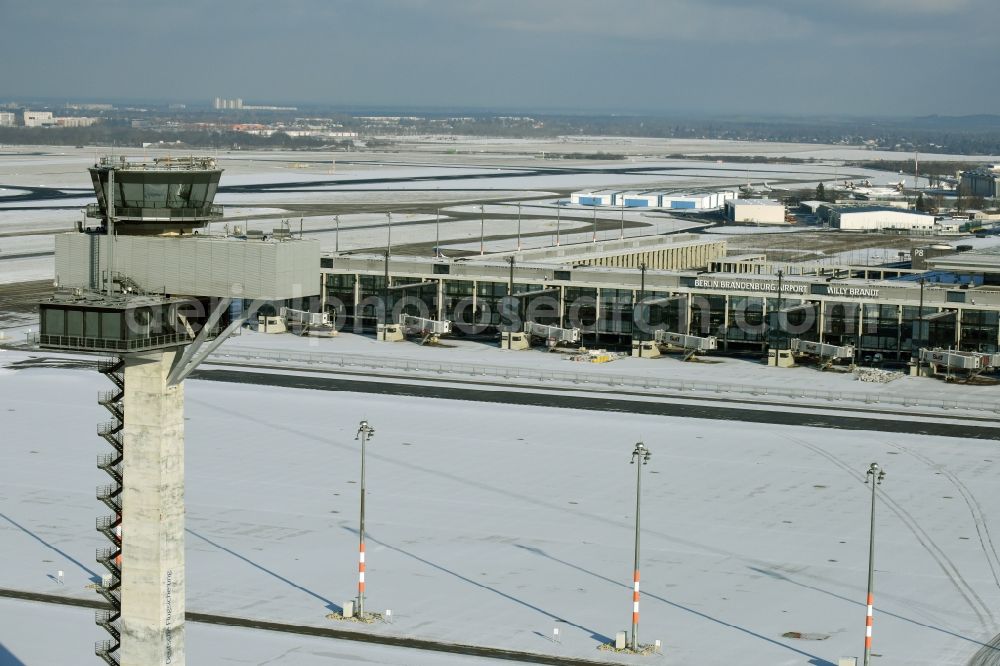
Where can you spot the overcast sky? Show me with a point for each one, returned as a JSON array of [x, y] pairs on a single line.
[[887, 57]]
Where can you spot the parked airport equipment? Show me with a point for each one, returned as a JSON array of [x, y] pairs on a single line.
[[595, 356], [826, 354], [876, 375]]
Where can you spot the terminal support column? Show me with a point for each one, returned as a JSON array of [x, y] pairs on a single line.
[[153, 514], [958, 328], [597, 310], [725, 323], [440, 299], [562, 306], [356, 303], [860, 309], [822, 321]]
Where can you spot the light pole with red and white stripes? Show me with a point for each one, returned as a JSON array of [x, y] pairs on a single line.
[[365, 432], [875, 475], [642, 454]]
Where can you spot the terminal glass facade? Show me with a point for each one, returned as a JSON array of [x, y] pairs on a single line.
[[743, 322], [979, 330]]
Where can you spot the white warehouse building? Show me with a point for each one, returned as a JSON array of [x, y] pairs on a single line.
[[634, 199], [653, 199], [755, 211], [593, 198], [697, 200], [873, 218]]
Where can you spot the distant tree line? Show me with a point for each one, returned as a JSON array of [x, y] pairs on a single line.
[[98, 135], [976, 135], [585, 156]]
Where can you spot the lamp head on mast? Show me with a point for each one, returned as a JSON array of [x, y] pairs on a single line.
[[875, 472], [640, 453], [365, 429]]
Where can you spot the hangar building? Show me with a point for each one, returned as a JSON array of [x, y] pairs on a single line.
[[755, 211], [878, 218]]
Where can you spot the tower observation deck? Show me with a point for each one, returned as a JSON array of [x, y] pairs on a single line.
[[165, 196]]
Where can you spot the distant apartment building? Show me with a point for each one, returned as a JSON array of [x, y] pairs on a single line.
[[75, 121], [90, 107], [7, 119], [46, 119], [982, 182], [314, 132], [268, 107], [221, 104], [38, 118], [228, 103]]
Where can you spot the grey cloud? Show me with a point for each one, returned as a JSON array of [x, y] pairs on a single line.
[[790, 56]]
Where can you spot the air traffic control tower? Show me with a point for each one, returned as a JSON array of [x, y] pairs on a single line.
[[149, 290]]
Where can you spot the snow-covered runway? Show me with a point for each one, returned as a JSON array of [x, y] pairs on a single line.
[[494, 524]]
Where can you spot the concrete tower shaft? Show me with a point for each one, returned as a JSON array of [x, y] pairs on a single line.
[[153, 514]]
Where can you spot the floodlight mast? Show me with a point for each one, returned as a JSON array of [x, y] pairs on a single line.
[[365, 432], [641, 454], [519, 226], [621, 233], [919, 341], [637, 330], [874, 474], [777, 315], [510, 296]]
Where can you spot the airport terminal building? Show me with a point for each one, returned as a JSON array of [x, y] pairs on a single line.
[[686, 285]]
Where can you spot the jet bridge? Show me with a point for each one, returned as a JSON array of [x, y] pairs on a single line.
[[689, 344], [827, 354], [969, 364], [553, 335], [430, 329], [303, 322]]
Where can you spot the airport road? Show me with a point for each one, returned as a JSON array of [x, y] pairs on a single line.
[[718, 408], [19, 300], [667, 407], [328, 632]]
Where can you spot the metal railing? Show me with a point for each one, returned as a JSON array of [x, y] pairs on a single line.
[[159, 213], [112, 344], [484, 372]]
